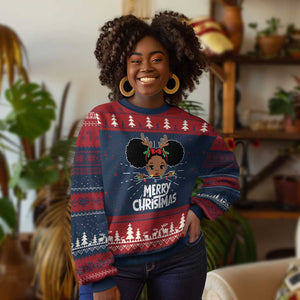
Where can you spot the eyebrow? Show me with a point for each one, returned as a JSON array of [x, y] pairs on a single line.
[[151, 53]]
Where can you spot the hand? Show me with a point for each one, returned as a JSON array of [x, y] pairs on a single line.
[[192, 225], [110, 294]]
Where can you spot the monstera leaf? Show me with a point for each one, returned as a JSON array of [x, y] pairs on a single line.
[[33, 110], [37, 173], [7, 215]]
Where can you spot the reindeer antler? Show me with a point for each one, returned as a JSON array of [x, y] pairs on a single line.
[[146, 141], [163, 142]]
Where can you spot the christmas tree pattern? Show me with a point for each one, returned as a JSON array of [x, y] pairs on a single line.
[[86, 245], [92, 119], [166, 233], [131, 122], [204, 128], [148, 123], [114, 121], [185, 125], [167, 124]]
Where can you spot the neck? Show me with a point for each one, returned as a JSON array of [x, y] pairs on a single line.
[[147, 101]]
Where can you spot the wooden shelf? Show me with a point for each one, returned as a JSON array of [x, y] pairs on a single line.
[[246, 59], [262, 135], [266, 210]]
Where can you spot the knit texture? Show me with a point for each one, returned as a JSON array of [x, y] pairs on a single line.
[[133, 176]]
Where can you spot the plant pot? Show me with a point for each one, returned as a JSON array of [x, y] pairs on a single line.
[[270, 45], [287, 190], [233, 25], [16, 271], [291, 125]]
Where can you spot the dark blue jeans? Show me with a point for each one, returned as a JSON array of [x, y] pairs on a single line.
[[181, 276]]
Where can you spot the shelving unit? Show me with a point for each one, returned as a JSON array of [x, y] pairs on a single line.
[[268, 210], [262, 135], [224, 68]]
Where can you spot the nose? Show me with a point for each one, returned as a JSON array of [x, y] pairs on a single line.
[[146, 66]]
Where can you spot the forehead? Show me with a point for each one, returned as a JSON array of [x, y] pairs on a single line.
[[156, 159], [149, 44]]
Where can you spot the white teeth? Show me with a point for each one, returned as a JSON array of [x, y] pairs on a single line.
[[147, 79]]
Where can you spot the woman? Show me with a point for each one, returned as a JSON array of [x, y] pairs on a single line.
[[137, 158]]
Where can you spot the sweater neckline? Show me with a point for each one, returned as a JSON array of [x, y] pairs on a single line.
[[147, 111]]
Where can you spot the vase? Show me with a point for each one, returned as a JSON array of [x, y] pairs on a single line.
[[16, 271], [233, 25], [270, 45], [287, 189]]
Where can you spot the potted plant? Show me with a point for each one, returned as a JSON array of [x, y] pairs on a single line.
[[287, 103], [268, 40], [33, 111], [293, 44], [28, 101], [287, 185]]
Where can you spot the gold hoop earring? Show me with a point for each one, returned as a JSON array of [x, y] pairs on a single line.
[[176, 86], [122, 90]]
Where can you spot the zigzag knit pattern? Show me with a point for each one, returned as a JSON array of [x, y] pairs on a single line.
[[133, 175]]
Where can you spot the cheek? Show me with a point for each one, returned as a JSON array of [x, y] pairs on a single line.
[[130, 74]]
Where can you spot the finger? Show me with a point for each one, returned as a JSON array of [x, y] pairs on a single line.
[[185, 228], [118, 296], [194, 232]]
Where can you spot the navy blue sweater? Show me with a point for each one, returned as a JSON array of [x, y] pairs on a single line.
[[133, 175]]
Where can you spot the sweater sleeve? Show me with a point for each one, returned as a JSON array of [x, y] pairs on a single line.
[[89, 228], [220, 174]]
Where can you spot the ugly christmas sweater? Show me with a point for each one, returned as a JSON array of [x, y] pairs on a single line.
[[133, 175]]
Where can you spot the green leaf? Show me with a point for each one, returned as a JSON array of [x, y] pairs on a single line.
[[2, 234], [8, 213], [252, 25], [2, 125], [192, 107], [15, 178], [38, 173], [33, 110], [228, 239], [279, 106]]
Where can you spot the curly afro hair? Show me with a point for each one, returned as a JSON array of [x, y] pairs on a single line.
[[135, 152], [118, 38]]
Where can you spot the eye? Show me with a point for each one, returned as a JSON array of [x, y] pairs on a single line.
[[155, 60], [162, 167], [151, 167], [135, 61]]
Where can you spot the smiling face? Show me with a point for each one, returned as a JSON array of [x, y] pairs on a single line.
[[148, 71], [156, 166]]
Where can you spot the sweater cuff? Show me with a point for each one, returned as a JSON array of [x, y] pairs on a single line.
[[197, 210], [103, 285]]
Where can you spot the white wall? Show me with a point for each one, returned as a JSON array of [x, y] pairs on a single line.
[[60, 37]]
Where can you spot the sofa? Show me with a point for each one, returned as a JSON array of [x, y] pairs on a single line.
[[250, 281]]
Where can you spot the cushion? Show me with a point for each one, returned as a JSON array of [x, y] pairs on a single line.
[[290, 286]]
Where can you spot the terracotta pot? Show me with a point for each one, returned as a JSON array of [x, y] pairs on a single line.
[[291, 125], [287, 190], [270, 45], [233, 25], [16, 271]]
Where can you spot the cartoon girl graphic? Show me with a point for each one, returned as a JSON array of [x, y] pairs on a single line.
[[140, 154]]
